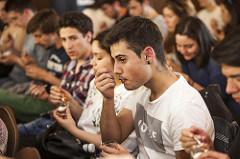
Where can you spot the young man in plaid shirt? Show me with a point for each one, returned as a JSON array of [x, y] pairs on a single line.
[[75, 30]]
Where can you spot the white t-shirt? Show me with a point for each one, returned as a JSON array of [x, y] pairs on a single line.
[[160, 22], [207, 17], [90, 118], [158, 123]]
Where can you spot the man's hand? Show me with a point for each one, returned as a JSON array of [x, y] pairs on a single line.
[[7, 41], [38, 92], [35, 72], [213, 155], [27, 59], [114, 149], [105, 82], [8, 59], [188, 140]]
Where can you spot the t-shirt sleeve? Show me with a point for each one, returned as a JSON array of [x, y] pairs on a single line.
[[185, 116]]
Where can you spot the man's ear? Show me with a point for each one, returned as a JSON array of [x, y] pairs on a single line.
[[148, 54], [89, 36]]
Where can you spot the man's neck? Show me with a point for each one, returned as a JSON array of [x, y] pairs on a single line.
[[83, 59], [160, 82], [58, 43]]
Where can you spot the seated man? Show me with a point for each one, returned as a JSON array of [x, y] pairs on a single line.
[[19, 13], [161, 111], [48, 38], [75, 30]]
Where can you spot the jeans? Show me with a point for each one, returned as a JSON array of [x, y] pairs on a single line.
[[36, 126]]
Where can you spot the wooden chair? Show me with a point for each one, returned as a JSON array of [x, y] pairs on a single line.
[[8, 118]]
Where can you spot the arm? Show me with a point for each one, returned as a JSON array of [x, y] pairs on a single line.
[[69, 124], [75, 108], [192, 83], [112, 127], [188, 134], [38, 73], [56, 93], [182, 155], [11, 59]]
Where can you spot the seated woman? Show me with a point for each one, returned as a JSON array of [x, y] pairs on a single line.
[[173, 12], [194, 43], [88, 119]]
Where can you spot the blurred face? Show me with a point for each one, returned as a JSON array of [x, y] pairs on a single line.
[[74, 43], [3, 14], [18, 19], [101, 59], [233, 81], [110, 11], [135, 8], [44, 40], [187, 47], [133, 71], [225, 15], [204, 3], [171, 19]]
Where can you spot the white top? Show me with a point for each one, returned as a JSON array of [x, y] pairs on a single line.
[[158, 123], [90, 118], [160, 22], [85, 2], [207, 17]]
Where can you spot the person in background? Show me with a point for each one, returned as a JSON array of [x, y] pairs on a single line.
[[19, 14], [47, 37], [75, 31], [173, 12], [3, 137], [194, 44], [230, 15], [7, 31], [114, 9], [138, 8], [210, 12]]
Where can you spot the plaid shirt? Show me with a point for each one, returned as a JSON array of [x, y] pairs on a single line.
[[77, 83]]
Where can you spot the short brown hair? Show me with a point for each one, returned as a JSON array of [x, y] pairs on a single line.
[[45, 20]]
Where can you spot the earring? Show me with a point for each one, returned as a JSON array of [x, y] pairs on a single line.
[[148, 62]]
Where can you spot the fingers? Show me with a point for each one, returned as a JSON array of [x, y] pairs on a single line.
[[213, 155], [55, 95]]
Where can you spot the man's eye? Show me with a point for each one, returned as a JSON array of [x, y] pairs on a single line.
[[99, 58], [122, 60], [237, 78]]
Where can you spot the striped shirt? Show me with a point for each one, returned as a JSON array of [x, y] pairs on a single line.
[[77, 83]]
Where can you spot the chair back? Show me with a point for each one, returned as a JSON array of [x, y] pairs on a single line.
[[8, 118], [226, 128]]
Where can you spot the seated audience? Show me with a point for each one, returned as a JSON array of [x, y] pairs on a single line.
[[48, 38], [210, 11], [229, 60], [138, 8], [230, 10], [75, 31], [194, 44], [173, 12]]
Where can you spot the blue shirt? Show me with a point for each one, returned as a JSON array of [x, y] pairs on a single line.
[[210, 74]]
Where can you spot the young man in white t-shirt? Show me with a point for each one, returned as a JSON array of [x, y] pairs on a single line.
[[160, 112]]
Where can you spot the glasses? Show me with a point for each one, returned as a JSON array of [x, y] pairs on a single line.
[[197, 150]]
